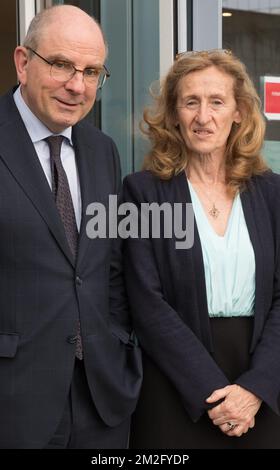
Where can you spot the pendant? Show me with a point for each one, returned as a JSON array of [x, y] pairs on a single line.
[[214, 212]]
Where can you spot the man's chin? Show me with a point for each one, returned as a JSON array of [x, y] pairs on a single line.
[[60, 124]]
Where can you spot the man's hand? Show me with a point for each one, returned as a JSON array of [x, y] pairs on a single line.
[[236, 414]]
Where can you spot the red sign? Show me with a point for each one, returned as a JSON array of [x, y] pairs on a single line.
[[272, 98]]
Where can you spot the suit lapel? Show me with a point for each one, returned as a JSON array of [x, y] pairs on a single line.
[[86, 159], [20, 157]]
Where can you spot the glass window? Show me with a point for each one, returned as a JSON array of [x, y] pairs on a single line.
[[251, 29], [132, 30]]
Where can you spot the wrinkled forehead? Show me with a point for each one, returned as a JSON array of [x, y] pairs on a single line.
[[209, 81]]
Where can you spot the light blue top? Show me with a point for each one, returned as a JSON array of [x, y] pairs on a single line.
[[229, 262]]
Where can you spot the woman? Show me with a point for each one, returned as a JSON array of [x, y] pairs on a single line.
[[208, 317]]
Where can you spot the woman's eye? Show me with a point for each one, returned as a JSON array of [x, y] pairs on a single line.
[[217, 102], [191, 104]]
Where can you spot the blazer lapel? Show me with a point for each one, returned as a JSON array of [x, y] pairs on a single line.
[[259, 228], [256, 230], [20, 157], [203, 323]]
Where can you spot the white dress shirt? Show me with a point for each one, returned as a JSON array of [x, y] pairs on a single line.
[[38, 132]]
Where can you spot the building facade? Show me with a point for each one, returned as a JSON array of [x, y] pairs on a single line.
[[144, 36]]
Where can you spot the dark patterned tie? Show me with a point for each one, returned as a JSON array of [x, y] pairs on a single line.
[[64, 203]]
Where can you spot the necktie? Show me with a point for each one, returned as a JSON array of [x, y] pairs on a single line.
[[64, 203]]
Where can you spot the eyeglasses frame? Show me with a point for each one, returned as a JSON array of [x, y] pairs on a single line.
[[51, 63]]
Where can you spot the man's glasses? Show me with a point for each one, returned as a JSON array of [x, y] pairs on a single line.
[[181, 55], [63, 71]]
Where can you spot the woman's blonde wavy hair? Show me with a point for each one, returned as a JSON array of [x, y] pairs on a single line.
[[169, 155]]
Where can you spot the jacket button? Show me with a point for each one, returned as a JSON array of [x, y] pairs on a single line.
[[79, 281], [72, 339]]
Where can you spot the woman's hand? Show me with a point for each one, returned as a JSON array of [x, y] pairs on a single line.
[[236, 414]]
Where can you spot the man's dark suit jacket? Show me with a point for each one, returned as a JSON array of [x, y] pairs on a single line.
[[168, 294], [43, 292]]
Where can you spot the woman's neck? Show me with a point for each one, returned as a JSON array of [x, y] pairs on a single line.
[[205, 169]]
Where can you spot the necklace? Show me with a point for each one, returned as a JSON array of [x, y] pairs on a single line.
[[214, 211]]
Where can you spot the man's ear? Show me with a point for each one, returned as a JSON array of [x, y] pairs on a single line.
[[21, 62]]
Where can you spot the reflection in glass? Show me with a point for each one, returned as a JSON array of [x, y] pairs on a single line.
[[252, 32]]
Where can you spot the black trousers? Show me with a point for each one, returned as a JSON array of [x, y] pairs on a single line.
[[161, 421], [81, 426]]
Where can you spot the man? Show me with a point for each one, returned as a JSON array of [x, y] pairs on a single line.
[[70, 370]]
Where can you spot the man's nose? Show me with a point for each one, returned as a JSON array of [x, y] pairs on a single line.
[[76, 83]]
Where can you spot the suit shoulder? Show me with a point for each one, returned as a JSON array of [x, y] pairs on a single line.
[[97, 143], [93, 132], [8, 110]]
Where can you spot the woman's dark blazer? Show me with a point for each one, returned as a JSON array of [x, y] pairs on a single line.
[[168, 300]]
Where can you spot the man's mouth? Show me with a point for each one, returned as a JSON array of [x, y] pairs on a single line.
[[66, 103]]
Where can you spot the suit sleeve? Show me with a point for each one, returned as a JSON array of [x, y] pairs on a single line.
[[119, 312], [116, 168], [162, 333]]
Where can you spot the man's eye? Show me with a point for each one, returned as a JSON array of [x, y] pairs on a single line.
[[62, 66], [92, 72]]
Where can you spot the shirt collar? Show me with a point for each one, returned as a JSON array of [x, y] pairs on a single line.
[[35, 128]]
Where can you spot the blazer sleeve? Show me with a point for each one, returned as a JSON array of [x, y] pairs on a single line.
[[162, 333], [263, 377]]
